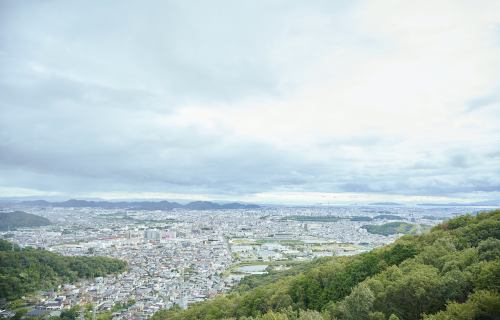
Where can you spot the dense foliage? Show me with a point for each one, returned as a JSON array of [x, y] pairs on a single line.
[[20, 219], [451, 272], [27, 270]]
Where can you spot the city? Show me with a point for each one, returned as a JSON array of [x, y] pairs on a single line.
[[249, 160], [180, 256]]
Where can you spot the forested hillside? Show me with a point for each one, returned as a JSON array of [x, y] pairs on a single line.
[[27, 270], [451, 272], [395, 228], [21, 219]]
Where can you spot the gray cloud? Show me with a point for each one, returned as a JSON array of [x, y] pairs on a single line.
[[88, 93]]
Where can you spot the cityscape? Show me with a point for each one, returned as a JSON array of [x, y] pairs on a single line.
[[179, 257], [250, 160]]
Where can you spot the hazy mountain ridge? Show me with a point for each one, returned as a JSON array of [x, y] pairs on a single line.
[[141, 205], [387, 203], [469, 204]]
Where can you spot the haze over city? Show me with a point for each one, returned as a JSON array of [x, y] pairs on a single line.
[[283, 102]]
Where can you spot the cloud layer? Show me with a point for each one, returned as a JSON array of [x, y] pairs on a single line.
[[261, 100]]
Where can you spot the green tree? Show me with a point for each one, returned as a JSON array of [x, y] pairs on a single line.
[[359, 303]]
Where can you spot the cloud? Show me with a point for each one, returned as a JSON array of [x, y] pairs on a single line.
[[233, 99]]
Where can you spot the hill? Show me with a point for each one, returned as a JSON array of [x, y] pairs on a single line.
[[20, 219], [208, 205], [385, 204], [27, 270], [390, 228], [450, 272]]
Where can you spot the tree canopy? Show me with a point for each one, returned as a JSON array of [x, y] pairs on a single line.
[[27, 270]]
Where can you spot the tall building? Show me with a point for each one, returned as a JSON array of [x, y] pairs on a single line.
[[152, 234]]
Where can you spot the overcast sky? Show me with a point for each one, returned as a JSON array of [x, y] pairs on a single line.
[[259, 101]]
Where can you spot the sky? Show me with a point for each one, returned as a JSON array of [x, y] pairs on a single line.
[[275, 101]]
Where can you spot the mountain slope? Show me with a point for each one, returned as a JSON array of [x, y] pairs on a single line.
[[20, 219], [26, 270], [395, 228], [453, 268]]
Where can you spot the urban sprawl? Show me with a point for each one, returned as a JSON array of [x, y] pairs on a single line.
[[179, 257]]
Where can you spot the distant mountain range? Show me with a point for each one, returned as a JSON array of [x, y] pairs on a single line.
[[140, 205], [470, 204], [385, 204], [20, 219]]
